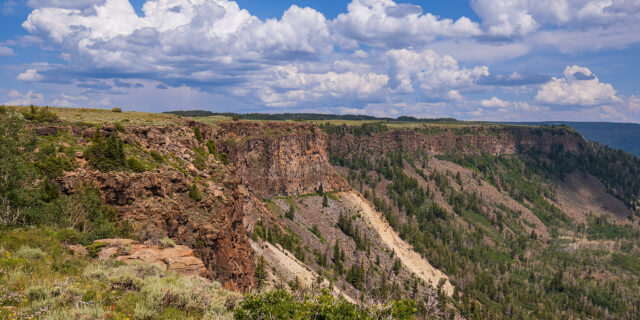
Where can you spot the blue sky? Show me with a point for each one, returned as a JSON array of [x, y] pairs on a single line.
[[508, 60]]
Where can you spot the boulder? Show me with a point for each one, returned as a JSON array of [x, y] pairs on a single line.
[[177, 258]]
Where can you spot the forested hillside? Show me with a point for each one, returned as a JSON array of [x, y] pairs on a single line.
[[125, 215], [72, 190], [492, 222]]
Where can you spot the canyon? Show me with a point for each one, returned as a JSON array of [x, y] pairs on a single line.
[[327, 206]]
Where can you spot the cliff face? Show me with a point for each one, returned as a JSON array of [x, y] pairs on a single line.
[[266, 160], [159, 198], [438, 140], [279, 158]]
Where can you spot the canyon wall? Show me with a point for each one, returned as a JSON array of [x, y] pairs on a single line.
[[279, 158], [266, 160], [492, 140]]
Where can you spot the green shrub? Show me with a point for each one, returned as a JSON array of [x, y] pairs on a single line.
[[194, 193], [69, 236], [279, 304], [136, 165], [197, 133], [85, 212], [36, 293], [211, 146], [17, 172], [200, 158], [157, 157], [27, 252], [93, 250], [224, 158], [261, 273], [53, 166], [42, 238], [106, 154], [39, 114], [119, 126], [162, 293], [291, 213], [50, 190]]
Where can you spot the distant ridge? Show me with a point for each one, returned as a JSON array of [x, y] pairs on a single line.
[[303, 116], [623, 136]]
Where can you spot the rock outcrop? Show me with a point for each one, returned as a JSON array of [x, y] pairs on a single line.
[[279, 158], [177, 258], [492, 140], [212, 227]]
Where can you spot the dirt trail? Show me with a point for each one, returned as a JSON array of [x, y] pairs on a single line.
[[287, 267], [413, 261]]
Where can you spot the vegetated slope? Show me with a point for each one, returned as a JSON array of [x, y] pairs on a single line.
[[345, 244], [69, 183], [302, 216], [481, 204]]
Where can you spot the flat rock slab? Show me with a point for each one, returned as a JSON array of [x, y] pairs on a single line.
[[177, 258]]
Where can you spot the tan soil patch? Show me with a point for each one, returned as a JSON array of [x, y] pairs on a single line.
[[413, 261], [286, 267], [581, 193]]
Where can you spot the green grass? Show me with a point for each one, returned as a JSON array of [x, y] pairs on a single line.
[[626, 262], [104, 116], [42, 279], [212, 120]]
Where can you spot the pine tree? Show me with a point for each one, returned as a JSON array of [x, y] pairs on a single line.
[[290, 214], [338, 257], [261, 272]]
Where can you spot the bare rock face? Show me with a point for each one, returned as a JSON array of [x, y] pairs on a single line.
[[211, 227], [121, 188], [279, 158], [177, 258], [473, 139]]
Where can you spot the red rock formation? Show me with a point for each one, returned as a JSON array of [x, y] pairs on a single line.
[[177, 258], [279, 158]]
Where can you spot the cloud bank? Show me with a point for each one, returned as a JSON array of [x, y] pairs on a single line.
[[377, 53]]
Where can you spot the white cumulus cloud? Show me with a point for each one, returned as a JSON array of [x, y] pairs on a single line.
[[30, 75], [428, 72], [287, 85], [507, 18], [495, 102], [6, 51], [578, 87], [17, 98], [385, 23], [380, 56]]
